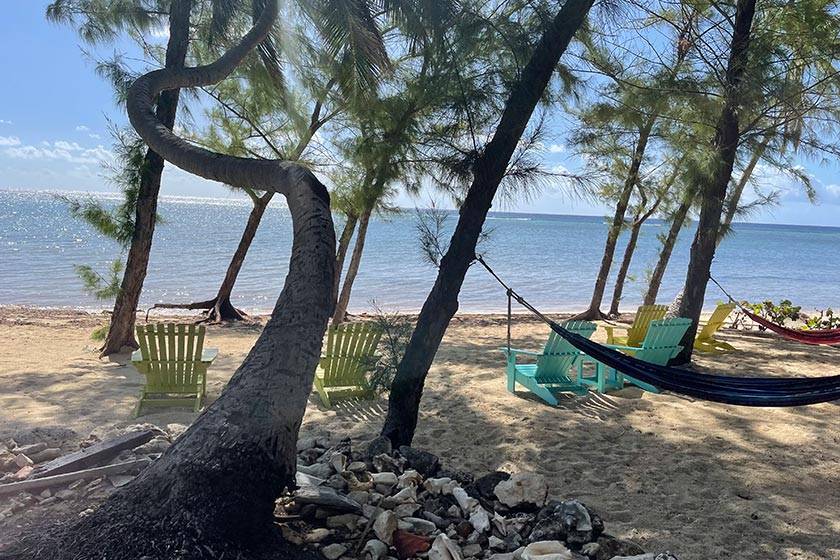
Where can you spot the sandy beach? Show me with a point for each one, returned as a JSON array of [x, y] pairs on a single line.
[[704, 480]]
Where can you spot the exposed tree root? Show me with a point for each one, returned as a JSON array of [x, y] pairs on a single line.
[[590, 315], [215, 310]]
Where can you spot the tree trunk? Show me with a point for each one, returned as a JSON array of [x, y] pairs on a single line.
[[212, 493], [222, 309], [677, 222], [489, 169], [713, 192], [625, 266], [121, 330], [734, 199], [341, 253], [352, 270], [594, 310]]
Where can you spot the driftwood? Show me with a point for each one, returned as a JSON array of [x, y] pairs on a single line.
[[97, 454], [46, 482]]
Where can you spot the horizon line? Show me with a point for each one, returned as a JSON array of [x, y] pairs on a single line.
[[245, 199]]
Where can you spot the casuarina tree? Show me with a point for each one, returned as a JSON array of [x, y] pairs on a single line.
[[488, 170]]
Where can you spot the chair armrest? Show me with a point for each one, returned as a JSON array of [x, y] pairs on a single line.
[[515, 351], [136, 356], [209, 354], [611, 331]]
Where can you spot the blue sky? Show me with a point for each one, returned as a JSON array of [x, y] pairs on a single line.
[[54, 111]]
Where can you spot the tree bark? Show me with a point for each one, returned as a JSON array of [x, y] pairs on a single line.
[[734, 198], [121, 330], [352, 270], [677, 222], [625, 266], [594, 310], [223, 309], [489, 169], [713, 193], [341, 253], [212, 493]]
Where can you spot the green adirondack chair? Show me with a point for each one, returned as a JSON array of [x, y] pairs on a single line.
[[661, 343], [175, 362], [637, 331], [705, 341], [551, 371], [349, 354]]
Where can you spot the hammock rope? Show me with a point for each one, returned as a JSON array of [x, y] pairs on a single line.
[[742, 391], [815, 337]]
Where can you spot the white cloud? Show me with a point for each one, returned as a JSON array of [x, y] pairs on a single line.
[[82, 128], [60, 150], [4, 121], [556, 149], [94, 136], [9, 141], [833, 189], [161, 32]]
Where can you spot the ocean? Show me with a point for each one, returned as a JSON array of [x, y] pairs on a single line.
[[550, 259]]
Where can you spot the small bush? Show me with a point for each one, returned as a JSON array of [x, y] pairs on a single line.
[[396, 332], [826, 320]]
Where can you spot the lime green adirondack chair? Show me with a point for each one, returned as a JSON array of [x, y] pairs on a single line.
[[349, 354], [637, 331], [661, 343], [705, 341], [175, 362], [551, 370]]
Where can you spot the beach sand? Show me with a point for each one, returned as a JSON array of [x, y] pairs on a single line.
[[704, 480]]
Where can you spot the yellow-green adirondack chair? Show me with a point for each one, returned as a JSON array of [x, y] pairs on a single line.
[[175, 362], [350, 353], [637, 331], [661, 343], [550, 373], [705, 341]]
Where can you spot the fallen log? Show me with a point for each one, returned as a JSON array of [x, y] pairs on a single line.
[[96, 472], [97, 454]]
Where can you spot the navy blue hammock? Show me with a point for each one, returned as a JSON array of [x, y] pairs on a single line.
[[742, 391]]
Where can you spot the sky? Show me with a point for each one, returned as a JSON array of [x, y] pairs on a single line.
[[54, 111]]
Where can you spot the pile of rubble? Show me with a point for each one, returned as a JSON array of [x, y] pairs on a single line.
[[370, 504], [380, 504], [42, 473]]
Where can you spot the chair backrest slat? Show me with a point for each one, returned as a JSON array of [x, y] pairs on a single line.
[[559, 354], [662, 341], [349, 353], [644, 315], [716, 320], [172, 355]]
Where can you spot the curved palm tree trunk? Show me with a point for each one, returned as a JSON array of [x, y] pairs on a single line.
[[625, 266], [212, 493], [677, 222], [594, 309], [121, 330], [489, 169], [352, 270], [341, 252], [713, 192]]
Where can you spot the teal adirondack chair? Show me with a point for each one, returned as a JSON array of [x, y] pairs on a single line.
[[349, 354], [661, 343], [550, 373], [175, 362]]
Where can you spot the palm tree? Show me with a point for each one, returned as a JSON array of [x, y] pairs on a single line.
[[218, 483]]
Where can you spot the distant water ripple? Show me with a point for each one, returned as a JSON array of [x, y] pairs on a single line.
[[552, 260]]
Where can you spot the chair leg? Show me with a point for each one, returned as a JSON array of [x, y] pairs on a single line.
[[511, 380], [139, 407]]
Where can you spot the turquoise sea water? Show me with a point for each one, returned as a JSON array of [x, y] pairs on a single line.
[[552, 260]]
